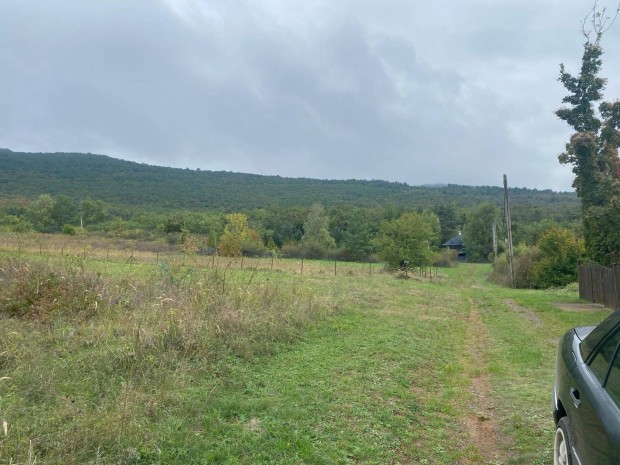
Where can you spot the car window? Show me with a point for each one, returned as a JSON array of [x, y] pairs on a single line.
[[592, 340], [600, 363], [613, 382]]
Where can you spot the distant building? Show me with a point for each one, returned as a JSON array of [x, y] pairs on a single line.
[[456, 243]]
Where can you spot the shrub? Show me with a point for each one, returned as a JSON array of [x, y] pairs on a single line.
[[551, 263], [311, 250], [41, 289], [69, 230], [524, 259], [291, 250], [16, 224], [560, 252], [445, 258]]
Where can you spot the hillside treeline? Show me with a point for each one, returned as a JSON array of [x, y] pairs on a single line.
[[135, 185]]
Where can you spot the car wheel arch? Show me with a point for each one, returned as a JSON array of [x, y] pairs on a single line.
[[559, 411]]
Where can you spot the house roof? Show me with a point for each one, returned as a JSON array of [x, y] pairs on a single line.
[[454, 242]]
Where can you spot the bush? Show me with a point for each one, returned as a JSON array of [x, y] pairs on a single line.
[[341, 254], [313, 250], [445, 258], [310, 250], [17, 224], [69, 230], [524, 259], [41, 289], [524, 263], [253, 249], [560, 253], [551, 263], [290, 250]]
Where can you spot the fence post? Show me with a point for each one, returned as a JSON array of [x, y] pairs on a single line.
[[615, 284], [302, 266], [335, 273]]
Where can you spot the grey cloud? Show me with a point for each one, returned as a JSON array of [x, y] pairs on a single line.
[[457, 92]]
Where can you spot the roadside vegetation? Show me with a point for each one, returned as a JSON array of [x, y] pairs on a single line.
[[109, 360]]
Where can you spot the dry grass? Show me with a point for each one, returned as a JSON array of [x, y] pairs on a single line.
[[93, 356], [95, 247]]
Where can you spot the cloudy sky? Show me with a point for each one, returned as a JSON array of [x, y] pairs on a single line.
[[422, 92]]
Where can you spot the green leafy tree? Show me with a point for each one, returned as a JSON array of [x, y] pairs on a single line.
[[93, 211], [284, 225], [236, 231], [39, 213], [405, 238], [478, 232], [64, 211], [450, 221], [433, 221], [593, 149], [316, 238], [356, 237]]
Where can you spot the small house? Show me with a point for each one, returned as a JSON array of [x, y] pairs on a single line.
[[456, 243]]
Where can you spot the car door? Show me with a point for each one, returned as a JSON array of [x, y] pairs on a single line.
[[595, 414], [612, 420]]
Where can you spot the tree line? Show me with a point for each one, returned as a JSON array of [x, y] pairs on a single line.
[[145, 187], [390, 234]]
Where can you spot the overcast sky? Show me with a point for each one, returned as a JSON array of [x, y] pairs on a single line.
[[422, 92]]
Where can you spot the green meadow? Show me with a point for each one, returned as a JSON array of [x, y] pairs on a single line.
[[109, 359]]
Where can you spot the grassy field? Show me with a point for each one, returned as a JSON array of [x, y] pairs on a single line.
[[105, 360]]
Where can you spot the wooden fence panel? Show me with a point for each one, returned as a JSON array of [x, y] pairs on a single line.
[[600, 284]]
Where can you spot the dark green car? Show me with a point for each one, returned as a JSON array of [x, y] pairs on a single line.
[[586, 395]]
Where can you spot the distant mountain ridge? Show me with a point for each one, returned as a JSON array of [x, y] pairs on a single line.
[[131, 184]]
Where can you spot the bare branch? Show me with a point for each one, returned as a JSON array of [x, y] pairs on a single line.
[[598, 22]]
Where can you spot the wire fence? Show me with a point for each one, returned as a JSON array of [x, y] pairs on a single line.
[[144, 253]]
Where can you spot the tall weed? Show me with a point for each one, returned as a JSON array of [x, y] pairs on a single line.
[[36, 289], [94, 363]]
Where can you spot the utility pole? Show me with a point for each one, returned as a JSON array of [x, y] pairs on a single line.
[[509, 233], [495, 240]]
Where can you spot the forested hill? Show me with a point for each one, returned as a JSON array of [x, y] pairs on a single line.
[[124, 183]]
